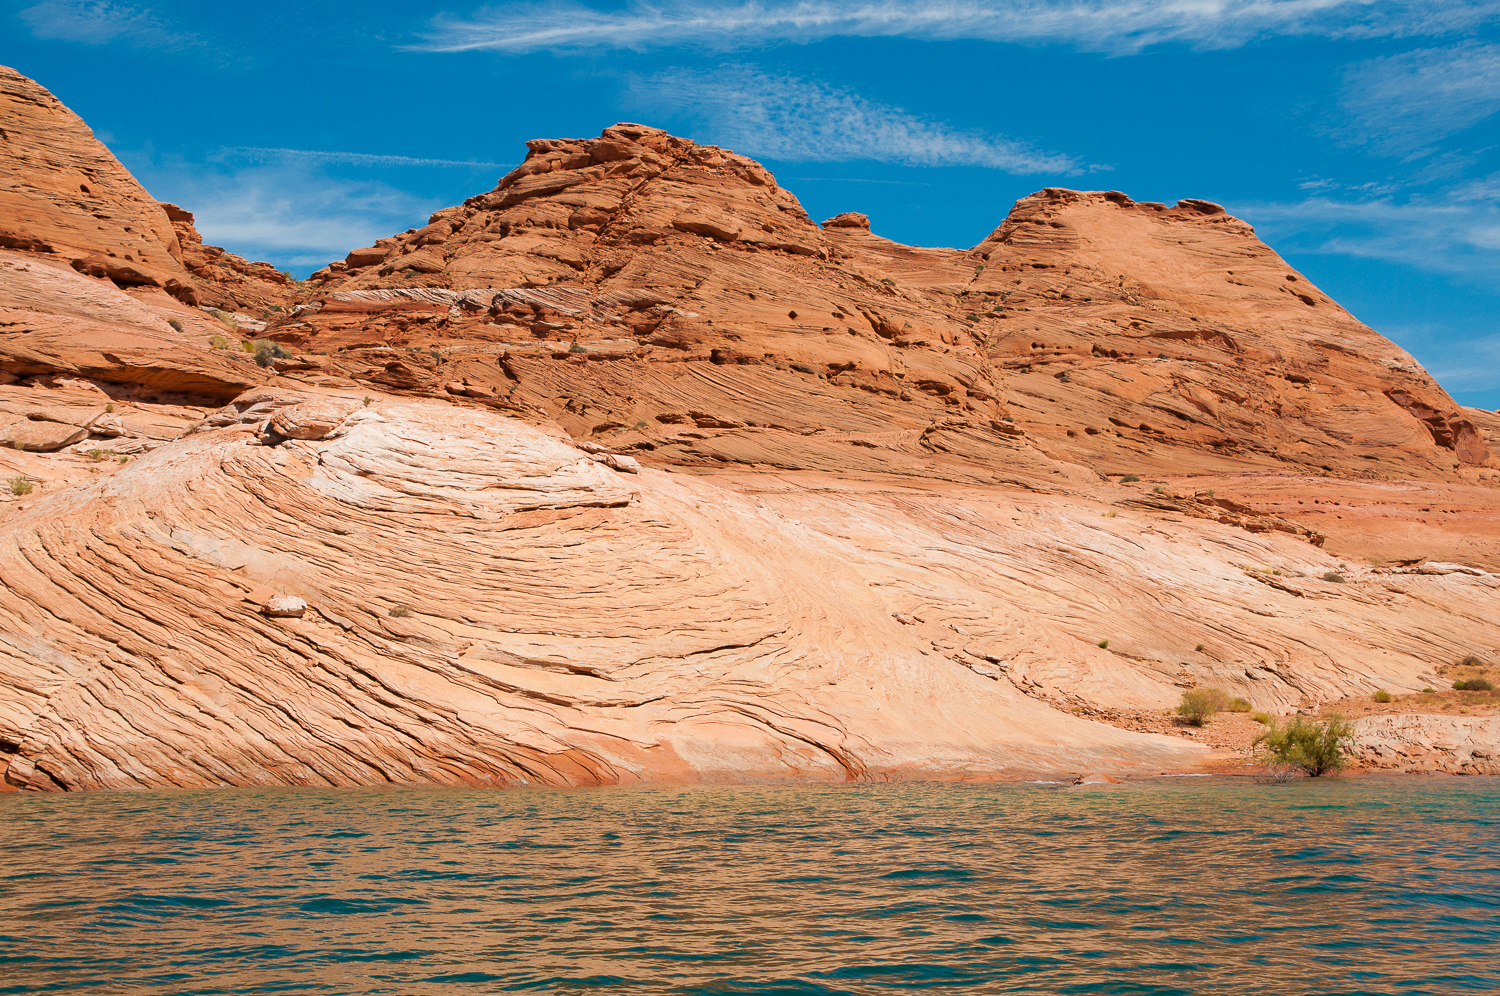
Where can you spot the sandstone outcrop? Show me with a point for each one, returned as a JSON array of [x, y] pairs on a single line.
[[627, 470], [1468, 745], [65, 196]]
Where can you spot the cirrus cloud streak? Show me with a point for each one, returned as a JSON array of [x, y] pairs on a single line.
[[798, 120], [1116, 26]]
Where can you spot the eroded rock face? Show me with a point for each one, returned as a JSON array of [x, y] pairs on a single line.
[[1466, 745], [64, 195], [629, 471], [1117, 336]]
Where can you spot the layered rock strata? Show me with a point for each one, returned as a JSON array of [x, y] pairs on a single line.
[[629, 471], [64, 196]]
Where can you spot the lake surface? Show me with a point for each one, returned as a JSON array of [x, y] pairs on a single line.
[[1178, 886]]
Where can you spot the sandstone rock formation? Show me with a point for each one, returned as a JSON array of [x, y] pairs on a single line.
[[628, 471], [65, 196]]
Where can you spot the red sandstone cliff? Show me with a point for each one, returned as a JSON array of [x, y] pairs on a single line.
[[628, 470]]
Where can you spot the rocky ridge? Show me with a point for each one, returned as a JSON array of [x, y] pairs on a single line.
[[627, 470]]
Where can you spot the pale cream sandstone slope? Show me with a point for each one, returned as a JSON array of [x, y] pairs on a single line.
[[563, 623]]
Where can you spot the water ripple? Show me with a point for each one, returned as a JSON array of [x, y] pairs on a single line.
[[1336, 887]]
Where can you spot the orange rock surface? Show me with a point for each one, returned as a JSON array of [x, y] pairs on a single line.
[[628, 470], [63, 195]]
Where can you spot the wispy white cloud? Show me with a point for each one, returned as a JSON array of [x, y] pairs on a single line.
[[1404, 102], [798, 120], [98, 22], [292, 214], [257, 153], [1097, 25], [1464, 365], [1456, 232]]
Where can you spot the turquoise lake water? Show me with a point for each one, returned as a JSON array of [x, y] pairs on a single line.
[[1181, 886]]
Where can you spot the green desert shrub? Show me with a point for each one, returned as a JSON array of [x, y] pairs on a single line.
[[1238, 705], [1381, 695], [266, 351], [1317, 748], [1334, 576], [176, 325], [19, 486], [1199, 705], [217, 342], [401, 611], [1263, 718], [1103, 644], [1129, 479], [1474, 685]]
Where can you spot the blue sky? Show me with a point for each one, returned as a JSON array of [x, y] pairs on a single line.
[[1360, 137]]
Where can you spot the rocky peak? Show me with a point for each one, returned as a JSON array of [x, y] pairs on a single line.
[[64, 196], [561, 215]]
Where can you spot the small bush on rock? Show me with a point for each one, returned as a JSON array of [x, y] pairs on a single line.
[[1263, 718], [1381, 695], [1238, 705], [1199, 705], [1473, 685], [176, 325], [1129, 479], [19, 486], [1317, 748], [401, 611], [1334, 577]]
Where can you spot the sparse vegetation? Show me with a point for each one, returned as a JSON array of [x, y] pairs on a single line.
[[1428, 691], [1334, 576], [1129, 479], [1317, 748], [1263, 718], [1199, 648], [266, 351], [1471, 661], [95, 455], [176, 325], [1473, 685], [401, 611], [1103, 644], [19, 486], [110, 407], [1238, 705], [1199, 705], [369, 401], [577, 348], [217, 342], [1383, 696]]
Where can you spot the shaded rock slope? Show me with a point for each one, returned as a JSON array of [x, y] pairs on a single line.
[[628, 470]]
